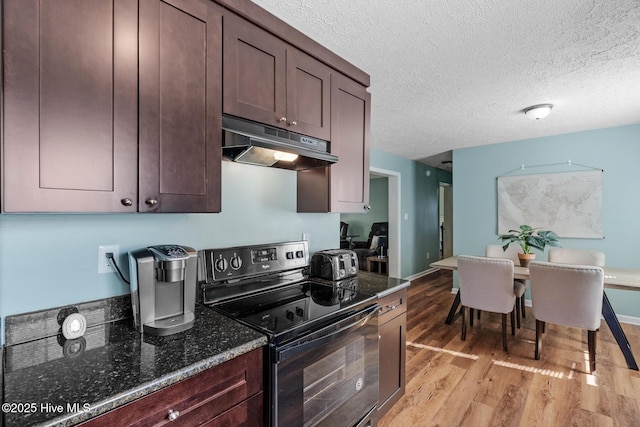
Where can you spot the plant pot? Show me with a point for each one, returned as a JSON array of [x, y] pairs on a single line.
[[525, 259]]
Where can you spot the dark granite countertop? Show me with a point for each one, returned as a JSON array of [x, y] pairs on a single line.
[[379, 284], [46, 383]]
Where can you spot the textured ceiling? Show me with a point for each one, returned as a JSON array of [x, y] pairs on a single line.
[[449, 74]]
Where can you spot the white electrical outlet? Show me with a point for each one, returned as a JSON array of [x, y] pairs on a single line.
[[104, 264]]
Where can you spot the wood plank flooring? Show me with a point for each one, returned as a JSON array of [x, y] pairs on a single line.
[[475, 383]]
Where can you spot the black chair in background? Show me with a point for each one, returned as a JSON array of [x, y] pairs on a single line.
[[344, 242], [375, 245]]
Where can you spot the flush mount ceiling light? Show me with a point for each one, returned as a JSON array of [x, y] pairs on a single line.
[[537, 112]]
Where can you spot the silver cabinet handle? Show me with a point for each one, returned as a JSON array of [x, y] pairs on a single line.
[[282, 119], [392, 307], [126, 201], [293, 123], [173, 415], [151, 201]]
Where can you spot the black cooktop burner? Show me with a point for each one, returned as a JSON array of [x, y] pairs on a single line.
[[288, 312]]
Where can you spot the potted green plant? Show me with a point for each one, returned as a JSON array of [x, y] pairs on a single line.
[[528, 237]]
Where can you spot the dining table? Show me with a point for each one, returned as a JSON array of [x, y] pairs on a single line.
[[614, 278]]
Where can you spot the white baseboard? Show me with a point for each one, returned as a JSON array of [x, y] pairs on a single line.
[[421, 274], [628, 319]]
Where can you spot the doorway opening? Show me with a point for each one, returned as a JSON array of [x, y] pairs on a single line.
[[394, 239], [385, 207], [445, 213]]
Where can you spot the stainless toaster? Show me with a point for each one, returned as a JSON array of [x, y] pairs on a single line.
[[334, 264]]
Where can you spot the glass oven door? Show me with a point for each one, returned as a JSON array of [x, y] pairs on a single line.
[[329, 378]]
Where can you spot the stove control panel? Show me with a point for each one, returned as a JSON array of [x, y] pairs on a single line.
[[223, 264], [282, 317]]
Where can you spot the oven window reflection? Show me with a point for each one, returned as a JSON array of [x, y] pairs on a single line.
[[333, 380]]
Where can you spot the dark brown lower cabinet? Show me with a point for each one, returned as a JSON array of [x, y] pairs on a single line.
[[229, 394], [392, 323]]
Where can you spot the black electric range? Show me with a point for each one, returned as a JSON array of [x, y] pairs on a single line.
[[266, 287], [321, 360]]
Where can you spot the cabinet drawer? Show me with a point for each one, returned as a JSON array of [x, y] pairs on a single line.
[[247, 414], [198, 399], [392, 305]]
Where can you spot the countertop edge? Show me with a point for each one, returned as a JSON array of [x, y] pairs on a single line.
[[161, 382], [404, 284]]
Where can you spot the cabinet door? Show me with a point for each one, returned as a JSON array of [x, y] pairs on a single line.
[[70, 106], [308, 95], [344, 186], [350, 117], [254, 73], [392, 362], [180, 115]]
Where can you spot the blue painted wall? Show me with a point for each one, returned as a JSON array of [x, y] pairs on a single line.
[[418, 209], [49, 260], [615, 150]]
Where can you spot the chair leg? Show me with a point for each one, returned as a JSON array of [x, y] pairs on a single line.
[[591, 337], [513, 322], [463, 310], [522, 306], [518, 314], [470, 316], [479, 311], [504, 331], [539, 330]]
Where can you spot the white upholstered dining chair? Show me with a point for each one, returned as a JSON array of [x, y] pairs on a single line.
[[576, 256], [519, 285], [487, 284], [569, 295]]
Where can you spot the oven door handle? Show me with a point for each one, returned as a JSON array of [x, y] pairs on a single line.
[[300, 346]]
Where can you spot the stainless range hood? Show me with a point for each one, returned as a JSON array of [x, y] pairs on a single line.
[[257, 144]]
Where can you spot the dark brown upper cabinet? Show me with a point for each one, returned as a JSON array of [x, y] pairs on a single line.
[[271, 82], [71, 111], [343, 187], [70, 106], [180, 113]]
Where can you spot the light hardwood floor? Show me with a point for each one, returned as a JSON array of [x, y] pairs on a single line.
[[475, 383]]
